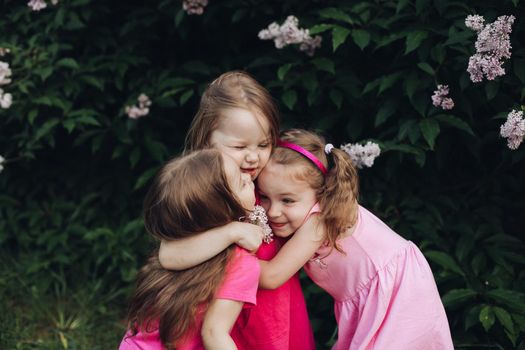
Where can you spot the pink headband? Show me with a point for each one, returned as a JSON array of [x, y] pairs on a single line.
[[305, 153]]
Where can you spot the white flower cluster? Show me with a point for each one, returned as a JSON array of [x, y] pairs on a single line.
[[37, 5], [194, 7], [362, 155], [6, 99], [4, 51], [440, 98], [492, 47], [258, 217], [135, 112], [2, 159], [514, 129], [289, 33]]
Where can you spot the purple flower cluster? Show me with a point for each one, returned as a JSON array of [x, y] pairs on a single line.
[[362, 155], [441, 99], [135, 112], [37, 5], [258, 217], [194, 7], [513, 129], [289, 33], [492, 47]]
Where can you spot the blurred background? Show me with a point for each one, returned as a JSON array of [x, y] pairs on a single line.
[[78, 148]]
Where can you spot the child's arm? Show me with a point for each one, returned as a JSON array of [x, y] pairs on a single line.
[[218, 322], [293, 255], [188, 252]]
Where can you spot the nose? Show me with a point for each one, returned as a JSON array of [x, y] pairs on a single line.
[[273, 211], [252, 156]]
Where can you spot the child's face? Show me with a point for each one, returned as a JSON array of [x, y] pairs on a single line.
[[245, 137], [286, 200], [240, 183]]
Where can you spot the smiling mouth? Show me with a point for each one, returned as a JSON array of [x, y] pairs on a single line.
[[251, 171], [277, 225]]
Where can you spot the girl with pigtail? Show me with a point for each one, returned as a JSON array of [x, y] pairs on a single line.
[[385, 296]]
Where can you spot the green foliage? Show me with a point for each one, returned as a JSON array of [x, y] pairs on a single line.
[[77, 167]]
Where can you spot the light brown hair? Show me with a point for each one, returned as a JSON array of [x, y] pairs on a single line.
[[235, 89], [189, 195], [337, 191]]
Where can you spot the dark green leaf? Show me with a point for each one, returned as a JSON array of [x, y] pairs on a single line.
[[144, 178], [430, 130], [185, 97], [504, 318], [455, 122], [486, 317], [68, 62], [320, 28], [456, 297], [325, 64], [414, 39], [289, 98], [339, 35], [445, 260], [337, 14], [361, 38], [337, 98], [426, 68], [46, 128], [281, 72]]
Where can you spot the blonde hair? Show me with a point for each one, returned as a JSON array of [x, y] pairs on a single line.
[[189, 195], [235, 89], [337, 191]]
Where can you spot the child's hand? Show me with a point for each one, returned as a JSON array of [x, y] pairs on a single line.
[[248, 236]]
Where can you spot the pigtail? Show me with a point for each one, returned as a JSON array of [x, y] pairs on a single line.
[[339, 195]]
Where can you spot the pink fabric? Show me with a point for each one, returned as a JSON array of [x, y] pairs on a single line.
[[384, 291], [305, 153], [280, 319], [240, 284]]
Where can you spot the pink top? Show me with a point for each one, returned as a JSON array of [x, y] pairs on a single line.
[[385, 296], [240, 283], [280, 319]]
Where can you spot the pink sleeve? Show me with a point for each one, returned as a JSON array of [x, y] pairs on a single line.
[[242, 278]]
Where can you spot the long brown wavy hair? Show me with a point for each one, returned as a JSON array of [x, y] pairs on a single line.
[[189, 195], [337, 191], [234, 89]]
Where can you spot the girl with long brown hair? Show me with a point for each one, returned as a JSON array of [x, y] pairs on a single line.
[[384, 291], [171, 309], [237, 116]]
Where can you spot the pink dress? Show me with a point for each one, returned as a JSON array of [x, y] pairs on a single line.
[[280, 319], [385, 296], [240, 284]]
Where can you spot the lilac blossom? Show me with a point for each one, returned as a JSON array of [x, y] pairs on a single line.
[[194, 7], [258, 217], [5, 73], [475, 22], [135, 112], [289, 33], [513, 129], [440, 99], [6, 99], [492, 47], [362, 155], [37, 5]]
